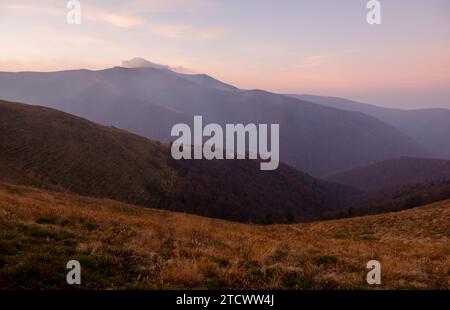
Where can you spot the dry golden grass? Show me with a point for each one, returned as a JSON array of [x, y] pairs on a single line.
[[123, 246]]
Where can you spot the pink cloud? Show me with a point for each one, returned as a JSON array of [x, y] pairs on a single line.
[[117, 20], [184, 31]]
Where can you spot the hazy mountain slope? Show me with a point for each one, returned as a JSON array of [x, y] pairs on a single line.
[[208, 81], [46, 148], [81, 93], [309, 133], [103, 104], [430, 127], [122, 246], [393, 173], [319, 140], [314, 139]]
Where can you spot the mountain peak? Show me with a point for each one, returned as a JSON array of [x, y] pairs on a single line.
[[139, 62]]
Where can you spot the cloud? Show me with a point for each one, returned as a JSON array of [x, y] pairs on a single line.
[[87, 12], [325, 59], [113, 17], [184, 31], [167, 5], [32, 9], [117, 20], [138, 62]]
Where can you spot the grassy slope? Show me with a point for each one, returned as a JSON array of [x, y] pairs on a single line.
[[123, 246]]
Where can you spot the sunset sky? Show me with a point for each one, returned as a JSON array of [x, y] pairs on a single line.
[[322, 47]]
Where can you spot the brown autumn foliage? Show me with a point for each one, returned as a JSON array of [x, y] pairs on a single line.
[[124, 246], [49, 149], [403, 197], [393, 173], [395, 185]]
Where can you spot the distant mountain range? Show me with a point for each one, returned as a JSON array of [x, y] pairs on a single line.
[[49, 149], [149, 100], [429, 127]]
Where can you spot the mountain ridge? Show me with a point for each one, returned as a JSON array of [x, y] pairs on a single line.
[[149, 101], [430, 126]]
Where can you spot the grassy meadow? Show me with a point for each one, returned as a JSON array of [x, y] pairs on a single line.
[[122, 246]]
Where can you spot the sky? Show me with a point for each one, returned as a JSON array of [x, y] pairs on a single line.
[[322, 47]]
